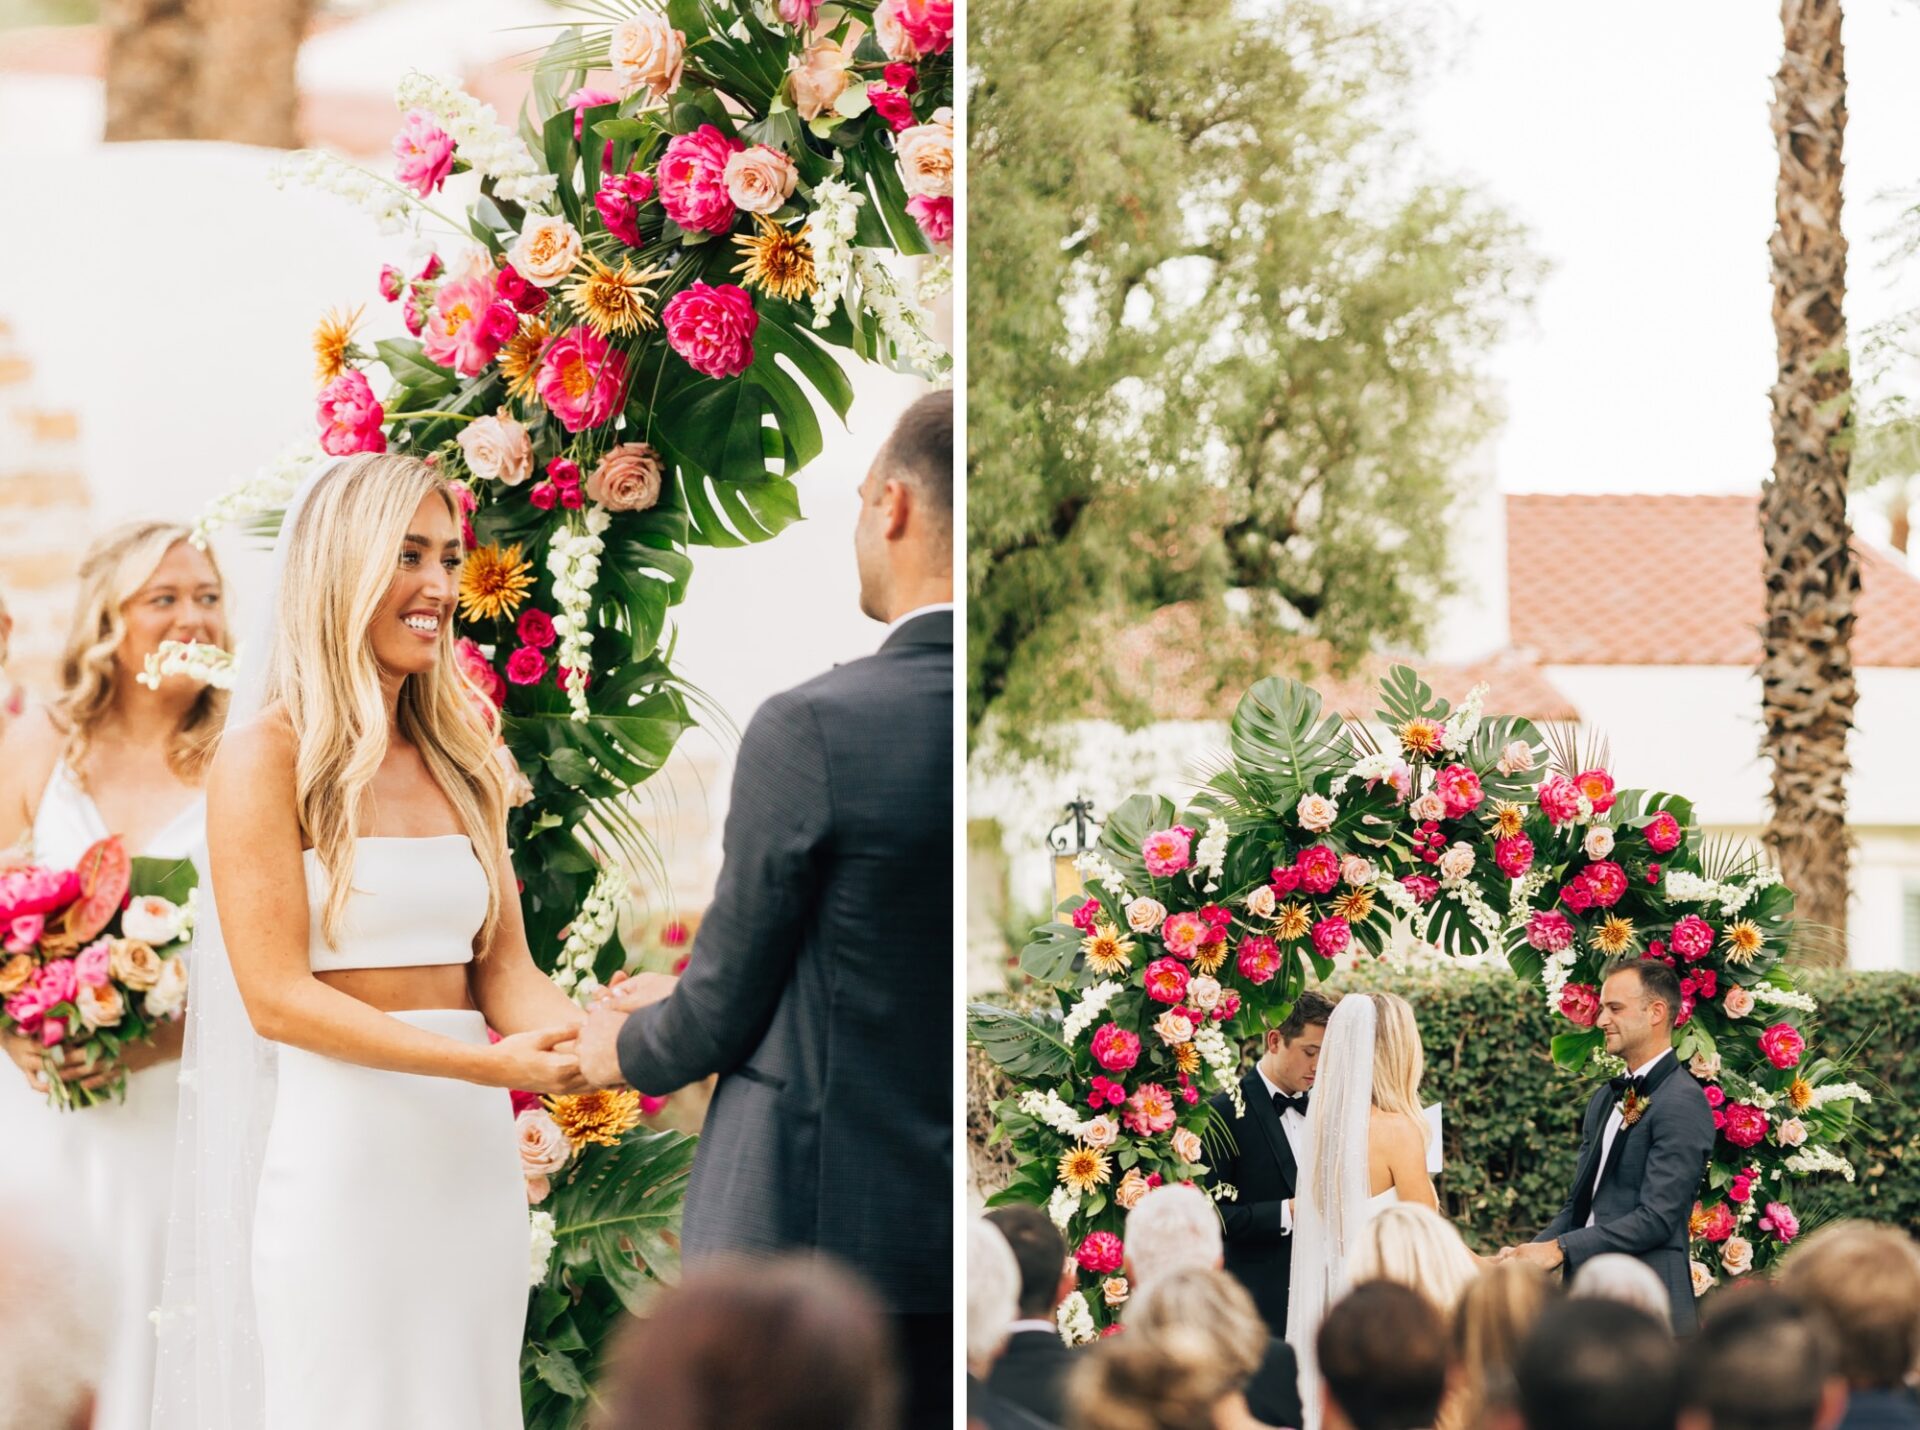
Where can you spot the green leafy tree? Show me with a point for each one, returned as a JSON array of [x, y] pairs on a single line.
[[1223, 334]]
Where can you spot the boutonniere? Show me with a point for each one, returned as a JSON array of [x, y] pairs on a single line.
[[1632, 1107]]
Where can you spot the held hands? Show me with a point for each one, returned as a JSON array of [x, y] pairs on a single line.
[[1544, 1254], [545, 1061], [600, 1038]]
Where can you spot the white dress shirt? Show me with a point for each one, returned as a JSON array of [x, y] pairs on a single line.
[[1614, 1124], [1047, 1326], [918, 611], [1294, 1124]]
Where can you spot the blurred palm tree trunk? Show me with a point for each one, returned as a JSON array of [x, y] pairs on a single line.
[[1812, 575], [205, 69], [151, 47]]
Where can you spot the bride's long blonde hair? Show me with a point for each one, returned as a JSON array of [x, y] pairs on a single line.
[[114, 569], [341, 558], [1399, 1062]]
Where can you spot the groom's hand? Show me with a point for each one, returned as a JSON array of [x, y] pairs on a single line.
[[632, 993], [599, 1044], [1544, 1254]]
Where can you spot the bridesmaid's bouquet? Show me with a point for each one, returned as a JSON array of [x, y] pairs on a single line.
[[93, 960]]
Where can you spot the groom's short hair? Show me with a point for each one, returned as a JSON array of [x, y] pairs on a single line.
[[1310, 1010], [1598, 1365], [1383, 1351], [920, 452], [1040, 1252], [1657, 980]]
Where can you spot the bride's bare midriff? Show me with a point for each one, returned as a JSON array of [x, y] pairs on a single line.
[[404, 990]]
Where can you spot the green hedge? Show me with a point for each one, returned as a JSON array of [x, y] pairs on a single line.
[[1512, 1128]]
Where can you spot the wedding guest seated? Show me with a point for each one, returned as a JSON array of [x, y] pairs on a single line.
[[1497, 1311], [1032, 1369], [1598, 1365], [1417, 1247], [790, 1343], [1626, 1279], [1383, 1356], [1174, 1379], [1866, 1279], [1765, 1361], [1175, 1228], [993, 1298], [52, 1336], [1211, 1298]]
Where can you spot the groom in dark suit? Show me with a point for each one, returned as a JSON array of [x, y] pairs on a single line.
[[821, 985], [1266, 1156], [1643, 1147]]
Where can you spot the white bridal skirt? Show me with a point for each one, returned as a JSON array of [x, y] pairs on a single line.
[[390, 1247], [104, 1173]]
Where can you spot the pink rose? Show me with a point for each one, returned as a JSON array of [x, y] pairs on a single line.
[[1174, 1027], [1738, 1003], [1580, 1003], [1100, 1133], [1457, 862], [1550, 931], [712, 328], [1319, 869], [1782, 1045], [1150, 1109], [1116, 1049], [1166, 980], [1715, 1095], [510, 285], [1101, 1253], [1168, 851], [582, 378], [1741, 1188], [544, 1149], [1597, 786], [1513, 855], [1460, 788], [1692, 937], [628, 478], [761, 179], [546, 250], [93, 965], [1559, 800], [892, 105], [1663, 833], [535, 628], [799, 13], [1423, 889], [1259, 960], [618, 204], [350, 419], [645, 52], [1356, 871], [1780, 1220], [1331, 937], [1745, 1125], [1606, 882], [479, 671], [425, 152], [526, 666], [392, 281], [693, 180], [1132, 1187], [910, 30], [1186, 1146], [926, 156], [1716, 1225]]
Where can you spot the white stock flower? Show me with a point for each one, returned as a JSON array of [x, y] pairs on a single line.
[[1063, 1206], [829, 230], [541, 1241], [1075, 1319]]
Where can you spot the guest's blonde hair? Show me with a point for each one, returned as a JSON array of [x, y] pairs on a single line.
[[1171, 1380], [340, 562], [112, 572], [1203, 1296], [1399, 1062], [1496, 1312], [1417, 1247]]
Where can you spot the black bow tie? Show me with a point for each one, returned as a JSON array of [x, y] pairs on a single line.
[[1290, 1102], [1624, 1084]]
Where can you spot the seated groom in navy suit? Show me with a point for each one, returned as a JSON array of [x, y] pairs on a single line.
[[820, 988]]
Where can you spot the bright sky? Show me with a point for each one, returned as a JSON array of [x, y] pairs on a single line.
[[1632, 137]]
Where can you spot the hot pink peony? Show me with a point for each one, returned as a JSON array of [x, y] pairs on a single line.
[[1783, 1045], [712, 328], [1423, 888], [585, 98], [1780, 1220], [1580, 1002], [1259, 960], [93, 965], [1663, 833], [58, 981], [1101, 1253], [1331, 937], [618, 204], [526, 666], [392, 282], [1716, 1225], [479, 671], [909, 30], [1597, 786], [1460, 788], [582, 379], [1183, 934], [1606, 881], [1149, 1110], [511, 286], [693, 180], [1513, 855], [1692, 937], [1745, 1124], [895, 107], [935, 217], [1319, 868], [1166, 980], [1550, 931], [1116, 1049], [350, 418], [1168, 851], [468, 325], [425, 152], [1559, 800]]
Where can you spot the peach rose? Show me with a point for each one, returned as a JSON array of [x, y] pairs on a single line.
[[821, 76], [519, 787], [1738, 1002], [1705, 1066], [1114, 1290], [537, 1189], [1145, 915], [1356, 871], [133, 962], [497, 449], [1703, 1281], [169, 994], [1315, 812], [1457, 862], [1132, 1187], [101, 1007], [926, 156], [1737, 1256], [14, 974], [1260, 903], [544, 1148], [1174, 1028], [1599, 842], [760, 179], [1516, 757], [1186, 1145], [1428, 806], [546, 250], [627, 479], [646, 52], [1204, 993], [1791, 1133], [1101, 1132]]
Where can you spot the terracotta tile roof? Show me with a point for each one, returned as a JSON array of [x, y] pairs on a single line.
[[1191, 664], [1670, 580]]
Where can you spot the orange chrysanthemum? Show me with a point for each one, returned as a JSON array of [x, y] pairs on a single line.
[[494, 583], [1082, 1168], [1615, 936], [601, 1117], [1208, 957], [1292, 922], [1354, 905], [1744, 941], [779, 261], [520, 358], [1106, 950], [1420, 737], [1508, 819], [333, 344], [1800, 1094]]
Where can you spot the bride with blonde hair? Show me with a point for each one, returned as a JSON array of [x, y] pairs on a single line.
[[350, 1225]]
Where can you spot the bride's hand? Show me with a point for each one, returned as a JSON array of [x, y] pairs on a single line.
[[31, 1059], [545, 1061]]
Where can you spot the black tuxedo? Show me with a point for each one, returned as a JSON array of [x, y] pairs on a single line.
[[1273, 1395], [1648, 1188], [1032, 1373], [1262, 1171]]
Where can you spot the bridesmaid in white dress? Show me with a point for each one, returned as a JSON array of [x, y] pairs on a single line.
[[112, 757], [367, 905]]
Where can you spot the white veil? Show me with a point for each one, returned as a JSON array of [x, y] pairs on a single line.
[[1330, 1200], [208, 1373]]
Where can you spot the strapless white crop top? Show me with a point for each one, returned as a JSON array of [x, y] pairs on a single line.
[[416, 902]]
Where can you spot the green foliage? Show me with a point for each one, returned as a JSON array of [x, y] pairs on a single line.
[[1221, 337], [1879, 1015]]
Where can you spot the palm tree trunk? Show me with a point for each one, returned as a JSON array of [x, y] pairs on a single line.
[[246, 87], [1812, 574], [151, 46]]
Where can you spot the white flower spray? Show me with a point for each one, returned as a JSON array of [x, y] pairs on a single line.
[[391, 207], [830, 230], [272, 486], [597, 921], [480, 139], [573, 558], [1075, 1320], [903, 322], [207, 664], [1088, 1010]]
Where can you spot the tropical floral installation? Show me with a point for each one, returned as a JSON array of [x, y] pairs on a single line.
[[1317, 840], [615, 350]]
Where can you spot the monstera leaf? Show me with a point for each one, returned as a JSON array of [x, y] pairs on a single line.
[[1283, 742], [1405, 696], [612, 1216], [1022, 1046], [1489, 739], [1125, 833]]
